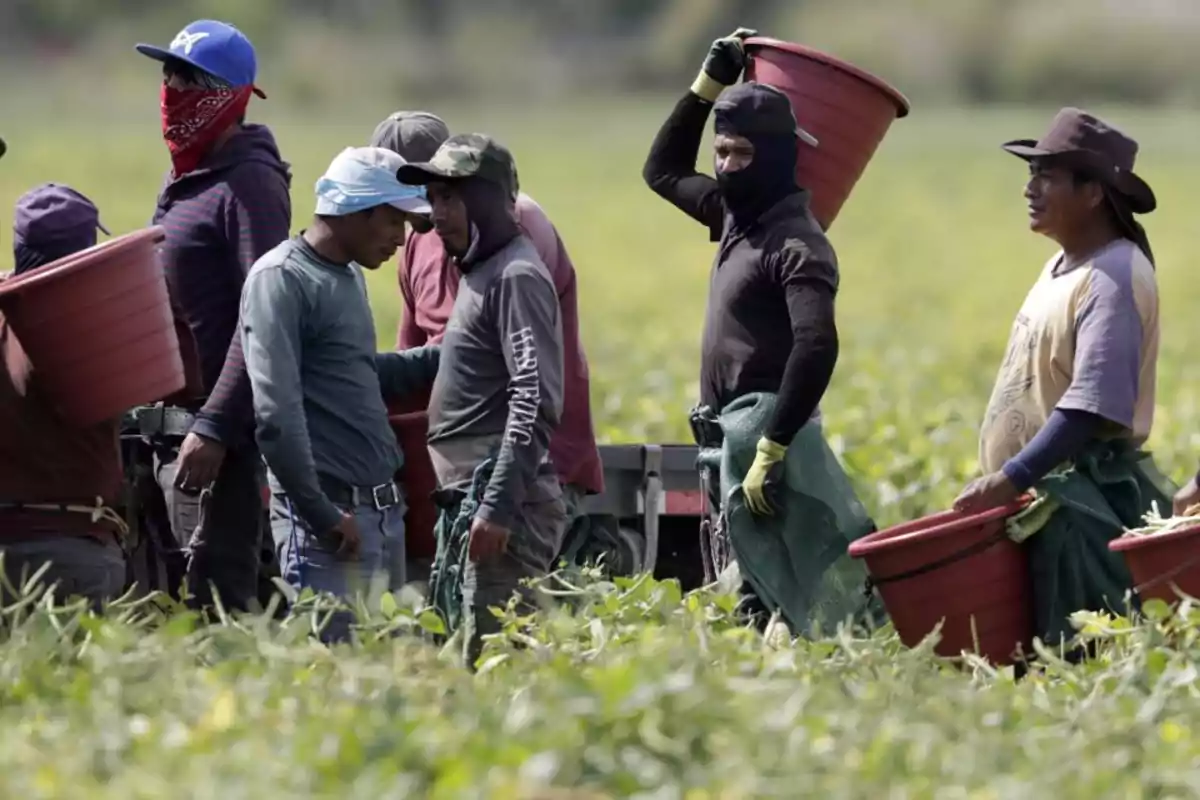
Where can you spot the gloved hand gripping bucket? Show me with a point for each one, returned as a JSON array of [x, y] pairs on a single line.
[[98, 328], [960, 570], [847, 109]]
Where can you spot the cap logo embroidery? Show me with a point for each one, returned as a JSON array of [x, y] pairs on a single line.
[[185, 41]]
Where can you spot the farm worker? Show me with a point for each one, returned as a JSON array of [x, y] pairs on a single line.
[[770, 341], [498, 396], [225, 202], [1074, 397], [429, 281], [58, 482], [319, 386]]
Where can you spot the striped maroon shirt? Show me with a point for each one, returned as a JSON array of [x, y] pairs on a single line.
[[219, 219]]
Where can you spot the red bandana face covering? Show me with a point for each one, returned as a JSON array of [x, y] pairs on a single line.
[[192, 119]]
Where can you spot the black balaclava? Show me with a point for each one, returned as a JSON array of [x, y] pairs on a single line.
[[492, 224], [763, 115]]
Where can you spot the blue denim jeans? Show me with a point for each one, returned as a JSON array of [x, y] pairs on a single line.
[[309, 559]]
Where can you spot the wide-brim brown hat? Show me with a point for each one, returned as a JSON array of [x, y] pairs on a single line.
[[1079, 139]]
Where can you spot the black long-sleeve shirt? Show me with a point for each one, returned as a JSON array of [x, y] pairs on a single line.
[[769, 326]]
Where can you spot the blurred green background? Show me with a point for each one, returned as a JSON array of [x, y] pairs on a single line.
[[934, 247]]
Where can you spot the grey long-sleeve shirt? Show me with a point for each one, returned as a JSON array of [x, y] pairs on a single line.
[[317, 380], [502, 371]]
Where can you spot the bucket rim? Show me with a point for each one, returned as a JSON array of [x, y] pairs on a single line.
[[71, 264], [888, 539], [1123, 543], [902, 104]]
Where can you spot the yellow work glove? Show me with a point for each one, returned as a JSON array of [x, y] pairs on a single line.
[[723, 65], [766, 470]]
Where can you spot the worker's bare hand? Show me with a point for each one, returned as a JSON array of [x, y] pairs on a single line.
[[199, 461], [1186, 498], [348, 537], [983, 494], [488, 540]]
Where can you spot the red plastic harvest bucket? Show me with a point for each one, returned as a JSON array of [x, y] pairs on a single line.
[[847, 109], [1163, 563], [410, 423], [98, 328], [960, 570]]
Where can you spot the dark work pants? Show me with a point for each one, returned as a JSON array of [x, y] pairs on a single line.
[[219, 532], [536, 539]]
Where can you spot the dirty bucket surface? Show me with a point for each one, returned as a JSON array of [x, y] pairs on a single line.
[[1163, 565], [847, 109], [960, 570], [98, 328]]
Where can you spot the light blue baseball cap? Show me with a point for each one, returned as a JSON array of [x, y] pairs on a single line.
[[365, 177]]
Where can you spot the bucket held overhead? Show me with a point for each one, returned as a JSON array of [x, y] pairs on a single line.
[[847, 109]]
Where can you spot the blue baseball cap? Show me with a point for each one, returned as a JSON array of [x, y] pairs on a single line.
[[360, 178], [214, 47]]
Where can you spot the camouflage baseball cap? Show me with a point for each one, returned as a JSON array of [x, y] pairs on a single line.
[[464, 156]]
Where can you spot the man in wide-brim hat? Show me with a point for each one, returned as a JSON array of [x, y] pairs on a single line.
[[1074, 398]]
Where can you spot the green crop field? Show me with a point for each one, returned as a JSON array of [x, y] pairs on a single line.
[[639, 693]]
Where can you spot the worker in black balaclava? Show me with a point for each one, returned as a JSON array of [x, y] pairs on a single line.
[[762, 116], [769, 327], [770, 322]]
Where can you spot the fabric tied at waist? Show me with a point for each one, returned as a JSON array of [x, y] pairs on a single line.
[[457, 506], [99, 512], [380, 497], [455, 460], [159, 420], [795, 561], [1077, 510]]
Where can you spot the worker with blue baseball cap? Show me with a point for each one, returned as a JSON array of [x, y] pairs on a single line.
[[226, 201], [209, 70], [215, 48]]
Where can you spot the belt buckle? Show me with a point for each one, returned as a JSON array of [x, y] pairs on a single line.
[[391, 499]]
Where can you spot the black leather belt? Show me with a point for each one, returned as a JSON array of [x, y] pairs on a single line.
[[385, 495]]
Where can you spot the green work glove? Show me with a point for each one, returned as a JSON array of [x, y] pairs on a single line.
[[766, 470], [723, 66]]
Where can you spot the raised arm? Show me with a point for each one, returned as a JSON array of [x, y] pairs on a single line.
[[670, 169]]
